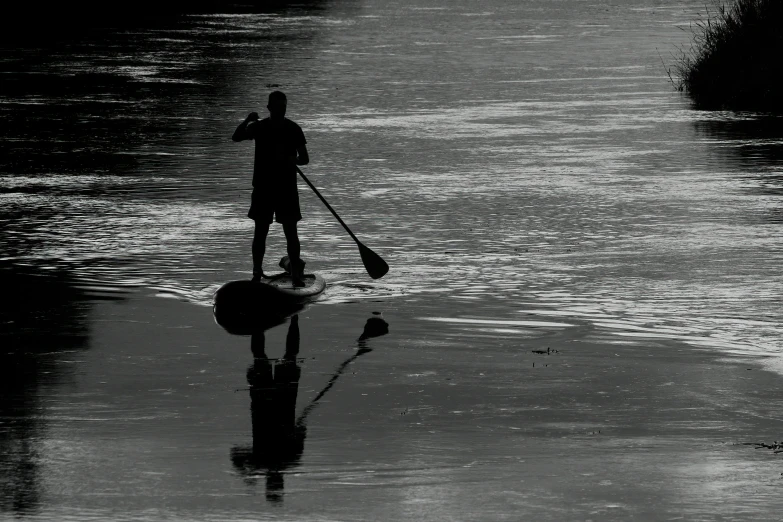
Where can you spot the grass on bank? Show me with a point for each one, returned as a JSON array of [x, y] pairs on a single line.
[[735, 60]]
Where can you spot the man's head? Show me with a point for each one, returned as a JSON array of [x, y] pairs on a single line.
[[277, 104]]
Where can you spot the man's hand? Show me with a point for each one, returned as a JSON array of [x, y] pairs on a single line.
[[302, 158], [241, 133], [251, 121]]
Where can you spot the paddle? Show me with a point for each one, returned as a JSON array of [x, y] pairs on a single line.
[[374, 264]]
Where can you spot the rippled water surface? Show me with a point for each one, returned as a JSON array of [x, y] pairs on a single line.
[[516, 163], [528, 156]]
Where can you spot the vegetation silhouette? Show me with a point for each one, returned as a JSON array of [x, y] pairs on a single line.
[[734, 59]]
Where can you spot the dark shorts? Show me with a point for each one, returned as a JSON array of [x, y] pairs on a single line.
[[266, 206]]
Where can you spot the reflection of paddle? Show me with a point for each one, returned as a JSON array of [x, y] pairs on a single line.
[[374, 264], [375, 327]]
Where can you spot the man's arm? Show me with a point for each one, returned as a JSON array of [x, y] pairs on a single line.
[[302, 158], [242, 131]]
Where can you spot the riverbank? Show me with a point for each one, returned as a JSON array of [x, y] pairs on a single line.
[[151, 419]]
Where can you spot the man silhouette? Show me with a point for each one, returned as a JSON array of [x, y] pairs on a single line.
[[280, 146]]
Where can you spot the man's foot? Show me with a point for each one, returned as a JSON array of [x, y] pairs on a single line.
[[297, 273], [258, 277]]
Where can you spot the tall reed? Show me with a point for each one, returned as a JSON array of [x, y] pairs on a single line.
[[735, 60]]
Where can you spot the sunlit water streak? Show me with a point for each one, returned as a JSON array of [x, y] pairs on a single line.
[[516, 171]]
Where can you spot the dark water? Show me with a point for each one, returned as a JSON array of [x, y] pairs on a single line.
[[520, 165]]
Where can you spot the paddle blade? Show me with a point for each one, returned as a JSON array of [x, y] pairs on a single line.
[[374, 264]]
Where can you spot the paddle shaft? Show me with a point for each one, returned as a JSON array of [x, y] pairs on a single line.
[[375, 265], [313, 403], [328, 205]]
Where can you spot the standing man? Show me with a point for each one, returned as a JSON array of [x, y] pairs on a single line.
[[280, 146]]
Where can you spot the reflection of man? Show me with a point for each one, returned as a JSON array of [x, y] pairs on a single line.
[[278, 435], [280, 146], [278, 441]]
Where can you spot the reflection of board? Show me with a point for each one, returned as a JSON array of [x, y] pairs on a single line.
[[244, 306]]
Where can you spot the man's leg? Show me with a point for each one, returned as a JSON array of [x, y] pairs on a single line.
[[292, 239], [259, 248], [294, 248]]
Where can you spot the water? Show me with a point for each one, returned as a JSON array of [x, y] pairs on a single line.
[[518, 164], [530, 157]]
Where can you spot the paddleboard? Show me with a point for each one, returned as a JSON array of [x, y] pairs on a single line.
[[269, 292], [282, 283], [245, 306]]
